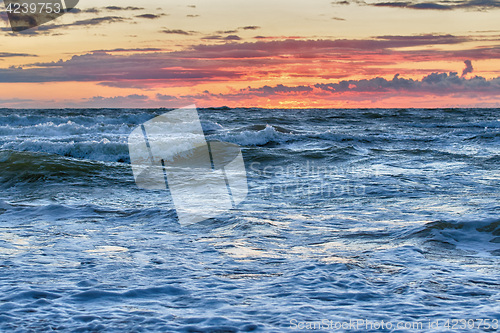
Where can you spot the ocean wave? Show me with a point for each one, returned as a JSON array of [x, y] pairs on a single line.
[[260, 135], [332, 135], [68, 128], [97, 150], [25, 168], [210, 126], [84, 117], [486, 137], [91, 212], [473, 237]]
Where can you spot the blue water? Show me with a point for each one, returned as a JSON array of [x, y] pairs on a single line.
[[365, 214]]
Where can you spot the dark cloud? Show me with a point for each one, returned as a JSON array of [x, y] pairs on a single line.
[[218, 37], [429, 5], [150, 16], [148, 49], [95, 21], [278, 37], [145, 67], [435, 83], [176, 32], [19, 103], [192, 15], [232, 37], [391, 4], [250, 27], [468, 68], [492, 52], [338, 18], [348, 2], [162, 97], [130, 97], [279, 89], [410, 5], [122, 69], [88, 10], [49, 29], [213, 37], [426, 39], [113, 69], [321, 48], [226, 31], [11, 55], [377, 88], [118, 8], [96, 10], [448, 85], [133, 100], [128, 84]]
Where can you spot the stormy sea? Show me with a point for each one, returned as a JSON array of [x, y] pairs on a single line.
[[362, 220]]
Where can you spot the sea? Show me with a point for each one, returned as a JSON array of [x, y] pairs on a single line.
[[356, 220]]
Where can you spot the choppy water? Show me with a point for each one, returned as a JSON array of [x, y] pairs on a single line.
[[366, 214]]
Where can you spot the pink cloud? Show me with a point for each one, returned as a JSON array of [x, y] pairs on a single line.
[[248, 62]]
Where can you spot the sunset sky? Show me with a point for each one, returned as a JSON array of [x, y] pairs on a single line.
[[273, 53]]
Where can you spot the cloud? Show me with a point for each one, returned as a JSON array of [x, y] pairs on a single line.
[[279, 89], [481, 5], [227, 38], [410, 5], [436, 89], [11, 55], [92, 10], [129, 97], [226, 31], [146, 68], [347, 2], [18, 102], [97, 10], [133, 100], [47, 29], [468, 68], [169, 98], [232, 37], [432, 84], [150, 16], [113, 68], [176, 32], [139, 50], [279, 37], [250, 27], [213, 37], [340, 48], [118, 8], [94, 21], [433, 90], [432, 87]]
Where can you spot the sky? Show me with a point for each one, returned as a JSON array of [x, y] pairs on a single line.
[[271, 54]]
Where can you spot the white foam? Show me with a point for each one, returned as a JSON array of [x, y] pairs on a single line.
[[258, 138]]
